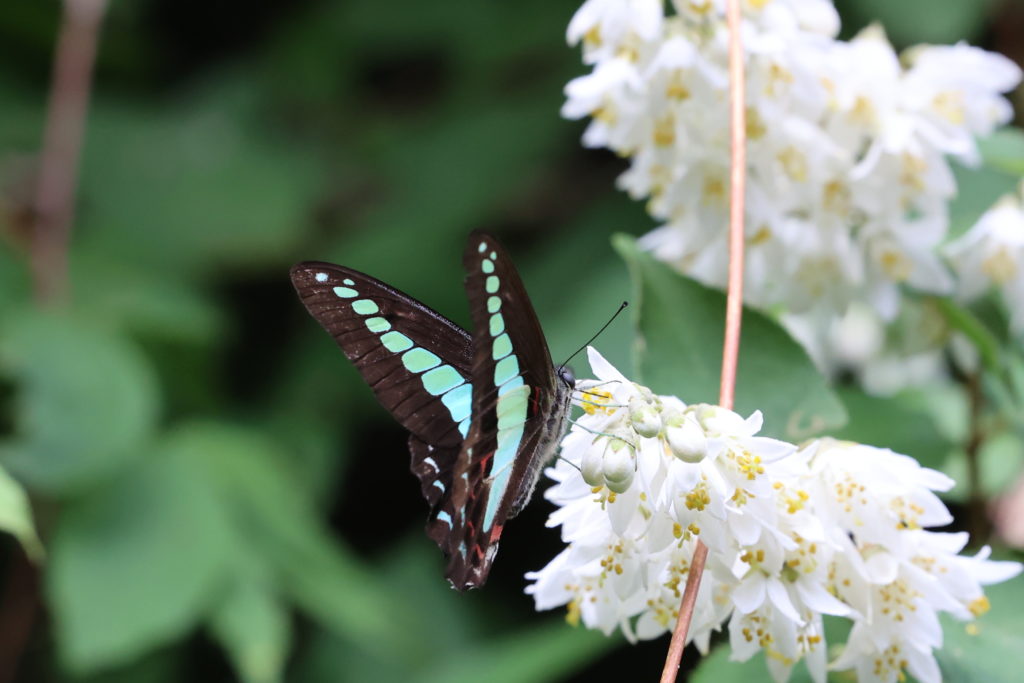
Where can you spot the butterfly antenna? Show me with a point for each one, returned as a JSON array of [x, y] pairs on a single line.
[[622, 307]]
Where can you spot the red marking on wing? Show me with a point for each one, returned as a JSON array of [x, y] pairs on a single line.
[[496, 532], [535, 401]]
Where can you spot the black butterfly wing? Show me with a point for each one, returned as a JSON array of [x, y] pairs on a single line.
[[518, 410], [416, 361]]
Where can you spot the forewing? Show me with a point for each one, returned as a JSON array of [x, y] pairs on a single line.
[[416, 361]]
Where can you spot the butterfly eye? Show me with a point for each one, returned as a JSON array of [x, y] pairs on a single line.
[[567, 376]]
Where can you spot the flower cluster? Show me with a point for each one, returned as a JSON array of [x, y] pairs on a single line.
[[991, 255], [793, 533], [848, 179]]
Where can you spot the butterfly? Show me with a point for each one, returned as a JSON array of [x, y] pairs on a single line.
[[485, 411]]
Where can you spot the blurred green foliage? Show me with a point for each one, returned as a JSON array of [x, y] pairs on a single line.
[[217, 493]]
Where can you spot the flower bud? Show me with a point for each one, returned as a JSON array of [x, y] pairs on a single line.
[[591, 466], [686, 438], [619, 466], [644, 417]]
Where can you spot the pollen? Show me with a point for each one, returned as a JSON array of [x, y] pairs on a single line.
[[572, 614], [750, 465], [714, 190], [629, 53], [794, 163], [676, 89], [1000, 266], [698, 497], [863, 112], [756, 129], [596, 400], [763, 234], [912, 172], [741, 496], [896, 265], [778, 77], [606, 114], [592, 38], [949, 104], [836, 198], [979, 606], [665, 131]]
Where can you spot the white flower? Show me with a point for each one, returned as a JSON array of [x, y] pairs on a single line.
[[608, 27], [793, 534], [885, 358], [848, 180], [991, 254]]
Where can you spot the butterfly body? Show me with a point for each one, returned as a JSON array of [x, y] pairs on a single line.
[[485, 411]]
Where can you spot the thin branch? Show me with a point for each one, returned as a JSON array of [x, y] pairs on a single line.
[[54, 202], [733, 309], [977, 519], [53, 215]]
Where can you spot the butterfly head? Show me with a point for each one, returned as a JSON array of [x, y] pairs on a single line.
[[567, 376]]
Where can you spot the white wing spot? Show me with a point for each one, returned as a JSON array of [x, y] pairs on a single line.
[[321, 277]]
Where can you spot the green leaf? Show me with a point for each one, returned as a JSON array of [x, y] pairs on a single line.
[[1000, 462], [253, 625], [989, 649], [15, 287], [87, 401], [1004, 150], [16, 516], [977, 190], [962, 319], [194, 184], [541, 653], [154, 305], [597, 282], [895, 422], [278, 523], [920, 21], [679, 352], [137, 564]]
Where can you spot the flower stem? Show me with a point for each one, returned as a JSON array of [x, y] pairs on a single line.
[[53, 215], [977, 520], [733, 309]]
